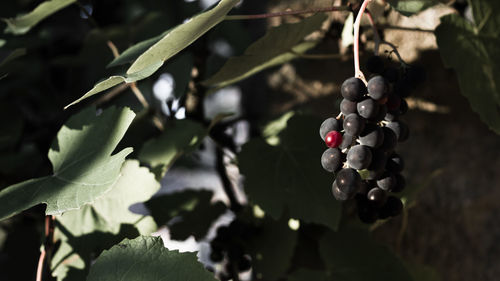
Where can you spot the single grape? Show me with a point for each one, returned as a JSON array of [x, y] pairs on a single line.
[[331, 160], [347, 141], [395, 163], [330, 124], [400, 129], [400, 184], [347, 107], [367, 213], [348, 181], [337, 193], [333, 139], [244, 264], [377, 196], [390, 140], [382, 112], [372, 136], [375, 64], [353, 89], [393, 103], [359, 157], [377, 88], [392, 207], [365, 186], [387, 181], [354, 124], [368, 108], [379, 160]]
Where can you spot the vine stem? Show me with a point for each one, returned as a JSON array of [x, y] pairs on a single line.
[[357, 70], [47, 247], [394, 50], [287, 13]]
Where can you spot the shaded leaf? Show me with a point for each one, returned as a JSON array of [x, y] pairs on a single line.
[[84, 168], [472, 51], [279, 45], [13, 55], [182, 36], [182, 137], [23, 23], [411, 7], [192, 209], [106, 215], [289, 176], [422, 272], [272, 249], [145, 258], [352, 255]]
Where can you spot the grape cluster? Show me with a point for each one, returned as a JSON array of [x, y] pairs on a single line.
[[361, 142], [229, 246]]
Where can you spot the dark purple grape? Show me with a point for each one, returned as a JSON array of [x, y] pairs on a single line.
[[347, 107], [244, 264], [347, 141], [379, 160], [377, 88], [372, 136], [395, 163], [382, 112], [354, 124], [375, 64], [368, 108], [387, 181], [348, 181], [353, 89], [390, 140], [365, 186], [400, 184], [330, 124], [338, 194], [367, 213], [400, 129], [392, 207], [359, 157], [331, 160], [377, 196]]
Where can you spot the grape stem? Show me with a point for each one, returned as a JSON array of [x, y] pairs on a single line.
[[357, 70]]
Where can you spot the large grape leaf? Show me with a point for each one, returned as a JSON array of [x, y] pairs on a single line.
[[279, 45], [172, 43], [472, 51], [84, 168], [107, 215], [289, 176], [179, 138], [186, 207], [411, 7], [146, 259], [352, 255], [272, 249], [23, 23]]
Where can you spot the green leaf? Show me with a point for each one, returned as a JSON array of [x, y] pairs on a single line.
[[23, 23], [186, 205], [411, 7], [472, 51], [115, 80], [13, 55], [133, 52], [182, 137], [106, 215], [352, 255], [289, 176], [280, 44], [272, 249], [84, 168], [182, 36], [145, 258]]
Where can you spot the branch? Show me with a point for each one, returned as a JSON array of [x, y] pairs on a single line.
[[226, 182], [394, 50], [287, 13], [357, 70]]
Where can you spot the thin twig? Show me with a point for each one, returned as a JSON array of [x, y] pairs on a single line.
[[139, 95], [357, 70], [394, 50], [47, 246], [287, 13], [39, 270], [226, 182]]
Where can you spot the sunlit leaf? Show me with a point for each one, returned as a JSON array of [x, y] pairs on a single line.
[[84, 168], [146, 259], [411, 7]]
